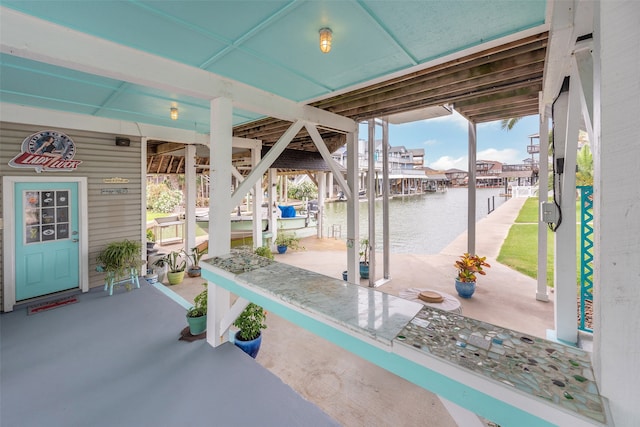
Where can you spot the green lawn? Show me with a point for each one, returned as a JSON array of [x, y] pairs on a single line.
[[529, 211], [520, 249]]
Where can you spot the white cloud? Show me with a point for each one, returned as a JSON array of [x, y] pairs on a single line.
[[508, 156], [447, 162], [430, 142]]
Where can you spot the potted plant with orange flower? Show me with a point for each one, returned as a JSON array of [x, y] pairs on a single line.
[[468, 267]]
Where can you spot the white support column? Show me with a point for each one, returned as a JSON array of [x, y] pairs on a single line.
[[258, 199], [371, 197], [285, 189], [190, 197], [471, 191], [542, 293], [272, 179], [616, 154], [220, 152], [568, 109], [386, 250], [321, 178], [143, 196], [330, 185], [353, 208]]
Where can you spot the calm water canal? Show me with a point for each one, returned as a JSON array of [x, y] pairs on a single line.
[[423, 224]]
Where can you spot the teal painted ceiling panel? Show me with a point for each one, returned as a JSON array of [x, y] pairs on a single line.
[[271, 45]]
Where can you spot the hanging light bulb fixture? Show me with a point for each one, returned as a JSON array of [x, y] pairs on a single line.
[[326, 36], [174, 113]]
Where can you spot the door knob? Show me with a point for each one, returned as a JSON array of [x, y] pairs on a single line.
[[75, 240]]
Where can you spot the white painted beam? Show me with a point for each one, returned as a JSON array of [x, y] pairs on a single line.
[[258, 198], [353, 208], [371, 200], [565, 268], [616, 348], [266, 162], [583, 63], [322, 181], [471, 190], [272, 179], [190, 197], [60, 119], [542, 292], [39, 40], [220, 152], [236, 309], [326, 155]]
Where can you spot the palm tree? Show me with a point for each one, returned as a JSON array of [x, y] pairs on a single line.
[[584, 176], [508, 124]]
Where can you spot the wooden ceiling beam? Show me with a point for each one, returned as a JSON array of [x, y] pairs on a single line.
[[440, 96], [149, 163], [159, 169], [509, 50], [494, 101], [505, 113], [454, 83], [413, 96], [486, 85], [166, 147], [532, 45]]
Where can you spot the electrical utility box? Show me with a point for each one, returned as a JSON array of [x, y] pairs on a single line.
[[549, 212]]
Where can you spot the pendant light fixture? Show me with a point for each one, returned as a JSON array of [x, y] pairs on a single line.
[[326, 35], [174, 113]]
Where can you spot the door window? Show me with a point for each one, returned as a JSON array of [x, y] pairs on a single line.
[[46, 215]]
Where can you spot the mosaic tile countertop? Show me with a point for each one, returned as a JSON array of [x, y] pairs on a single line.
[[558, 374], [363, 310], [554, 372]]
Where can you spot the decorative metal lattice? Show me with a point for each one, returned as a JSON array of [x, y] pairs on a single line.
[[586, 253]]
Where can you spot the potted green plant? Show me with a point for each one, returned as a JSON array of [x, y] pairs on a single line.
[[197, 315], [151, 239], [194, 269], [287, 240], [251, 323], [120, 260], [264, 251], [176, 262], [468, 267], [364, 258]]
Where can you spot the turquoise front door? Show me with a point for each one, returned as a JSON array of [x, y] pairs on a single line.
[[46, 239]]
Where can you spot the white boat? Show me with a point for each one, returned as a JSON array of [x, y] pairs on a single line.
[[242, 226]]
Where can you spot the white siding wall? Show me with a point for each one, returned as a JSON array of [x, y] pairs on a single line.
[[617, 209], [111, 217]]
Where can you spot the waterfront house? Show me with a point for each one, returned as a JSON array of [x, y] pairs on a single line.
[[104, 79]]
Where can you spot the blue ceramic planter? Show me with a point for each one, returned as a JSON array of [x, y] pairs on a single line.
[[465, 289], [250, 347], [282, 249], [364, 270]]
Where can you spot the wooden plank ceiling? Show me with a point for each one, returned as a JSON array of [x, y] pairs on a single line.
[[494, 84]]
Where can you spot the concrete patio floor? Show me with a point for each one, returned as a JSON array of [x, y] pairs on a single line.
[[357, 393], [116, 360]]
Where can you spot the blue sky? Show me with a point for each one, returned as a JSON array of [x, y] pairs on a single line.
[[445, 139]]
